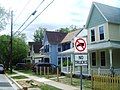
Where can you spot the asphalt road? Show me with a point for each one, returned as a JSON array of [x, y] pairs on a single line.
[[5, 83]]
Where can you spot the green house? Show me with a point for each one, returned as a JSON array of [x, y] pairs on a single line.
[[103, 25]]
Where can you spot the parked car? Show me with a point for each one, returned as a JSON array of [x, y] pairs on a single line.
[[20, 66], [2, 70], [52, 67]]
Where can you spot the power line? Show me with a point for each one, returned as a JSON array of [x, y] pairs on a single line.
[[33, 13], [22, 10], [37, 16]]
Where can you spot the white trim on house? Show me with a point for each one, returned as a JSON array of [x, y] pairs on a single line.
[[91, 9], [95, 57], [66, 52], [100, 12], [93, 28], [103, 31], [103, 45], [105, 57]]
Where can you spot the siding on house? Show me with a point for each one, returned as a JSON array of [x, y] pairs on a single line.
[[96, 18], [52, 39], [97, 36], [114, 31], [116, 58], [98, 59], [53, 54]]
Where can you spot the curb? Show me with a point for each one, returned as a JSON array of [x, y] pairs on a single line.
[[13, 81]]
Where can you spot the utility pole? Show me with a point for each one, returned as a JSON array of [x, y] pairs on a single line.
[[11, 41]]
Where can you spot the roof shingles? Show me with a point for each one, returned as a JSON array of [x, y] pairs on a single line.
[[112, 14], [55, 37], [70, 36]]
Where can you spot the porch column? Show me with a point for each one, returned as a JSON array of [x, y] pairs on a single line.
[[111, 63], [61, 64], [67, 65], [89, 63]]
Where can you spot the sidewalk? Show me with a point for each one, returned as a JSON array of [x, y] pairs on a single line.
[[49, 82]]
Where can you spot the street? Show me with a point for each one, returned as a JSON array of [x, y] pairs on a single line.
[[6, 84]]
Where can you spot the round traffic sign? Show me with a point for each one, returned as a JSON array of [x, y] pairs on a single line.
[[80, 44]]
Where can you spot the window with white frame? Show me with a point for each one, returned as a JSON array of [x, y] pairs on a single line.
[[92, 35], [59, 48], [59, 61], [93, 58], [102, 57], [101, 32]]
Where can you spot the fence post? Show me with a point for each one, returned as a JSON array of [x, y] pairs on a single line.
[[57, 74], [92, 79], [38, 70], [48, 72], [44, 71], [71, 73]]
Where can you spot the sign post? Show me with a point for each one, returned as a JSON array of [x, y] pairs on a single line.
[[80, 77], [81, 57]]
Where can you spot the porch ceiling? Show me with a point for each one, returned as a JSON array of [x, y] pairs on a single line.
[[104, 45]]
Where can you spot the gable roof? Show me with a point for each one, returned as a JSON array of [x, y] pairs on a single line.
[[110, 14], [36, 46], [70, 36], [55, 37]]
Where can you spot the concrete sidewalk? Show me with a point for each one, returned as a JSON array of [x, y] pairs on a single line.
[[48, 81]]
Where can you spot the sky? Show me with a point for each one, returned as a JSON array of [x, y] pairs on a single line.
[[61, 13]]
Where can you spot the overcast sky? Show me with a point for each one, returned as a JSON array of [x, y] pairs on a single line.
[[61, 13]]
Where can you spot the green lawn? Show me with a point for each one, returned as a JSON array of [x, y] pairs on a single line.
[[76, 82], [9, 73], [19, 77], [48, 87], [66, 80], [32, 73], [26, 71]]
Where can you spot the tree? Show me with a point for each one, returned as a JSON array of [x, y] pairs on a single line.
[[67, 29], [22, 36], [20, 50], [4, 17], [38, 35]]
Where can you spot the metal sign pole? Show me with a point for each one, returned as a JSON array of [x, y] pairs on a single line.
[[81, 77]]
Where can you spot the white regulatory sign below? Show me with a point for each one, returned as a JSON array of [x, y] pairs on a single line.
[[81, 60]]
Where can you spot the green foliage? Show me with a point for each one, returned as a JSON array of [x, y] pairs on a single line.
[[65, 63], [19, 77], [67, 29], [48, 87], [20, 50], [4, 17], [38, 35], [22, 36]]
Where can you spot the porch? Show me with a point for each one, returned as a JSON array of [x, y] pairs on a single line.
[[104, 57]]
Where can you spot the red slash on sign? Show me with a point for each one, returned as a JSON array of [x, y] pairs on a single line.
[[80, 44]]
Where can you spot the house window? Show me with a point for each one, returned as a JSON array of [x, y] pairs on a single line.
[[59, 48], [46, 49], [92, 35], [59, 61], [69, 61], [101, 32], [102, 55], [65, 46], [93, 59]]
